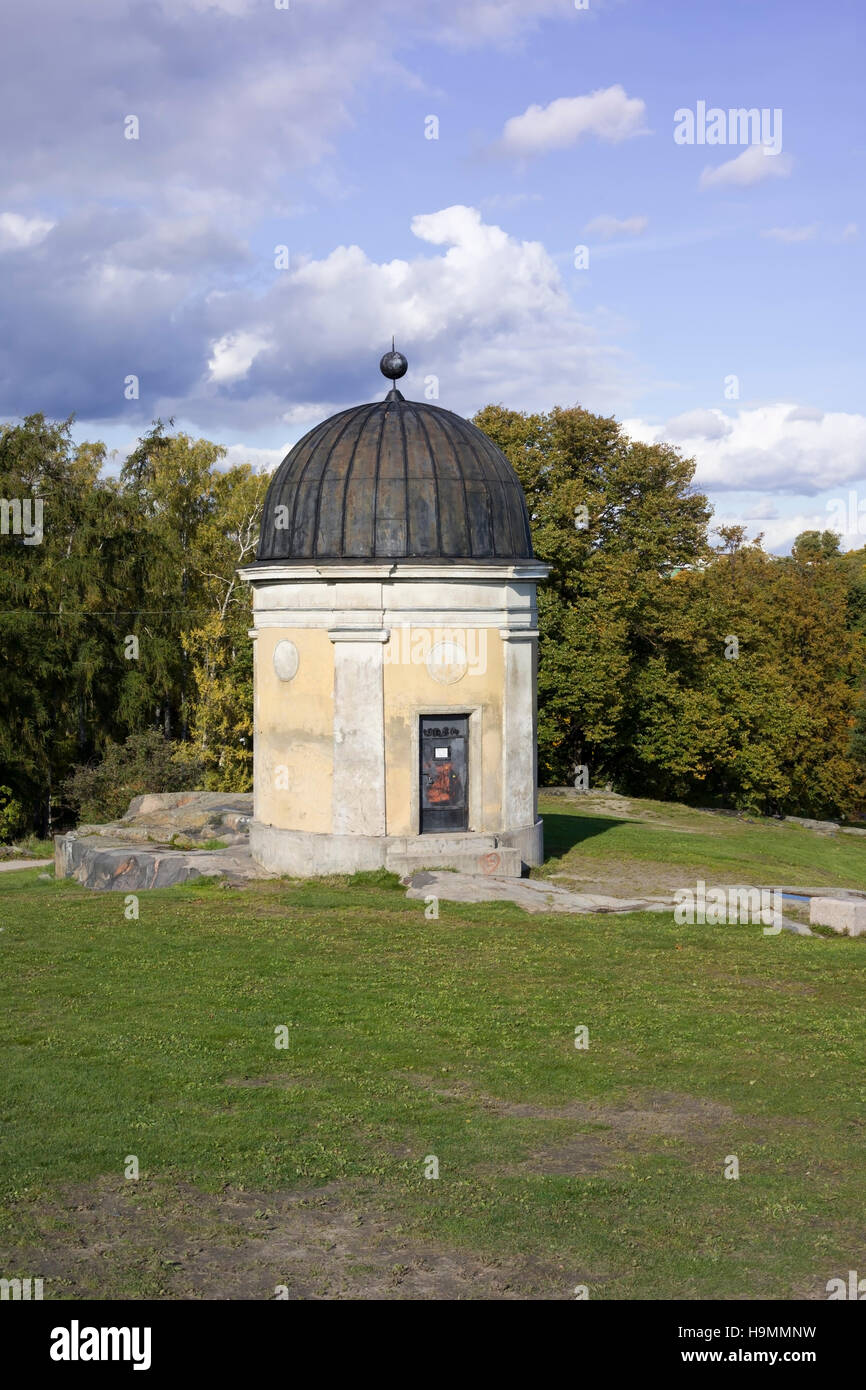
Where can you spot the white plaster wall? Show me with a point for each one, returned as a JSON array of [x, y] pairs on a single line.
[[358, 795], [367, 785]]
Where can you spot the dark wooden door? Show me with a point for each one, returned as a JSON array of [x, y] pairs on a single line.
[[444, 772]]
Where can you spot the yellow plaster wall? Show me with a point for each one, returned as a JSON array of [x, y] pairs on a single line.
[[295, 730], [411, 691]]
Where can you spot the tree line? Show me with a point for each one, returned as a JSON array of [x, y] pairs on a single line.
[[674, 661]]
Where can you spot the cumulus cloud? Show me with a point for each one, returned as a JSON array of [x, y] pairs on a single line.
[[484, 313], [232, 97], [777, 448], [146, 256], [753, 166], [804, 412], [698, 424], [262, 460], [234, 354], [488, 317], [779, 530], [606, 228], [608, 113]]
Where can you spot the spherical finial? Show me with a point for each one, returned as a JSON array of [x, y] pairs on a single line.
[[393, 365]]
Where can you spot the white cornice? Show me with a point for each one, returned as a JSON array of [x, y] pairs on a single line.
[[358, 634], [402, 570]]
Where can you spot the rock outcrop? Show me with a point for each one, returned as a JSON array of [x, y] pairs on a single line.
[[163, 839]]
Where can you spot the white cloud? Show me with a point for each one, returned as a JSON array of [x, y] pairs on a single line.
[[606, 228], [778, 530], [791, 234], [262, 460], [762, 509], [488, 315], [607, 113], [774, 448], [698, 424], [17, 231], [804, 412], [753, 166], [234, 354]]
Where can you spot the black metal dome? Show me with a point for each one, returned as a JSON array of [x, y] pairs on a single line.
[[395, 480]]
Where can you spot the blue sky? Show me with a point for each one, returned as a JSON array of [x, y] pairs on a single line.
[[305, 127]]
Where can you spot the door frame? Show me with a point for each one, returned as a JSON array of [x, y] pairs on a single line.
[[473, 764]]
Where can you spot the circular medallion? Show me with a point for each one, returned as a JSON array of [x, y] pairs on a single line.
[[286, 661], [447, 663]]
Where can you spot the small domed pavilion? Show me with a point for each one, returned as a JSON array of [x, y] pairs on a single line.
[[395, 649]]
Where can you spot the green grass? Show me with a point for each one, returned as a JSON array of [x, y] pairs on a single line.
[[678, 844], [410, 1037], [31, 844]]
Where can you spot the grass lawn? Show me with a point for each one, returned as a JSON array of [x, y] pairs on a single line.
[[410, 1037], [616, 843]]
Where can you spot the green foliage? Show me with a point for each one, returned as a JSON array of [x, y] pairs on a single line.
[[129, 618], [610, 567], [635, 619], [146, 762], [103, 624], [11, 816]]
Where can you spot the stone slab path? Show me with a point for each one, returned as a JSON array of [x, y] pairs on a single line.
[[534, 895], [540, 895]]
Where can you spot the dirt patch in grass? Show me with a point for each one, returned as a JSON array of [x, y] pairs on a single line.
[[618, 878], [143, 1240], [662, 1113], [583, 1155], [606, 1137], [658, 1112]]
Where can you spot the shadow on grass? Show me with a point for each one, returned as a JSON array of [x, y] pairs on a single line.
[[562, 833]]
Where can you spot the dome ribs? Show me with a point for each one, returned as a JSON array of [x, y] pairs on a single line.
[[395, 480], [390, 509], [453, 503], [301, 531], [490, 548], [341, 480], [282, 492], [426, 495]]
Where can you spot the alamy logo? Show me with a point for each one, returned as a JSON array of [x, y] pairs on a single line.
[[738, 126], [855, 1288], [449, 653], [727, 906], [848, 519], [76, 1343], [22, 518], [24, 1289]]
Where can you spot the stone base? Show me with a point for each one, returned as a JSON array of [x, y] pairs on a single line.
[[302, 854], [140, 851], [842, 916], [115, 865]]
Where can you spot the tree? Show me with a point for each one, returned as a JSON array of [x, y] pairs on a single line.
[[128, 615], [614, 519], [220, 648]]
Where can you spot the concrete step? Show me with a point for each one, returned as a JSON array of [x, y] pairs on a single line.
[[498, 860]]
